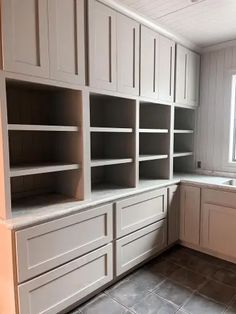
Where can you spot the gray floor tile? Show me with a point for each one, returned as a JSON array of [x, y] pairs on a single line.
[[173, 292], [153, 304], [103, 304], [148, 279], [164, 267], [198, 304], [188, 278], [218, 291], [127, 292], [232, 308], [226, 276]]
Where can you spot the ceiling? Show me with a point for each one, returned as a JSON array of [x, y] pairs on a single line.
[[205, 22]]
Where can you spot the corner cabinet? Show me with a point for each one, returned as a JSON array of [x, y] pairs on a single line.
[[44, 39], [113, 50], [25, 37], [157, 66], [187, 77]]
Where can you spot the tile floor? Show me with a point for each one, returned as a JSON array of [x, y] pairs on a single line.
[[179, 281]]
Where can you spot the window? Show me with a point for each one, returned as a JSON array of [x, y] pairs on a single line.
[[233, 120]]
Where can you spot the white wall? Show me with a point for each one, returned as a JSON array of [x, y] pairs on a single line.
[[214, 111]]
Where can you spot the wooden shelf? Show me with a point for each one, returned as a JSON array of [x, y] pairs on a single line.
[[183, 131], [26, 170], [111, 130], [183, 154], [152, 157], [153, 131], [46, 128], [110, 161]]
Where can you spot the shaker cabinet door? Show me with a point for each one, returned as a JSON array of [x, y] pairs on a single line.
[[25, 37], [193, 78], [66, 38], [181, 75], [127, 55], [102, 46]]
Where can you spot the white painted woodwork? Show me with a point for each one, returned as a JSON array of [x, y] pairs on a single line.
[[111, 130], [193, 78], [25, 37], [218, 229], [127, 55], [102, 46], [45, 128], [181, 75], [107, 162], [190, 214], [173, 214], [139, 211], [65, 285], [166, 69], [148, 63], [66, 40], [152, 157], [140, 245], [54, 243], [153, 130], [183, 154]]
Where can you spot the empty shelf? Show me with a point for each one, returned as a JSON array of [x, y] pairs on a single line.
[[183, 131], [183, 154], [152, 157], [153, 131], [110, 161], [111, 130], [50, 128], [26, 170]]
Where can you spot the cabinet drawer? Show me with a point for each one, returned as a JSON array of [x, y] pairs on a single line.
[[60, 288], [140, 245], [49, 245], [137, 212]]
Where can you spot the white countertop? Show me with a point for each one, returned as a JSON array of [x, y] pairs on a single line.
[[25, 217]]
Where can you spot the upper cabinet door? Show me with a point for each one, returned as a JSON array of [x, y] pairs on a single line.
[[66, 34], [25, 37], [102, 46], [148, 64], [181, 75], [127, 55], [166, 57], [193, 78]]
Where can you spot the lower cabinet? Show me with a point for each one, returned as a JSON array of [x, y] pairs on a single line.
[[140, 245], [173, 214], [190, 214], [60, 288]]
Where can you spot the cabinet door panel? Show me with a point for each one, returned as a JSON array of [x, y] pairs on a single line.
[[66, 29], [127, 55], [173, 214], [193, 78], [181, 75], [219, 229], [102, 46], [148, 72], [166, 55], [25, 37], [190, 214]]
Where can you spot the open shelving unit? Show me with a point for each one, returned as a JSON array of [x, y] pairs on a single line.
[[184, 125], [113, 141], [154, 141], [44, 144]]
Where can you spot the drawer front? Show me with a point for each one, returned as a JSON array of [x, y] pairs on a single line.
[[140, 245], [137, 212], [44, 247], [60, 288], [217, 197]]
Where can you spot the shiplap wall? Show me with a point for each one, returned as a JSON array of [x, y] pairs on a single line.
[[213, 117]]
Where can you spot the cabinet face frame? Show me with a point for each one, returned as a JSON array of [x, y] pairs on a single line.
[[96, 71], [173, 213], [77, 43], [127, 65], [10, 61]]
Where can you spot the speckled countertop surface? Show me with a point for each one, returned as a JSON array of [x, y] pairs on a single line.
[[27, 215]]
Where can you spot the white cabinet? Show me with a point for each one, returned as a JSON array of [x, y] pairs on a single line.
[[66, 40], [148, 63], [173, 213], [127, 55], [190, 214], [25, 37], [187, 76], [218, 222]]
